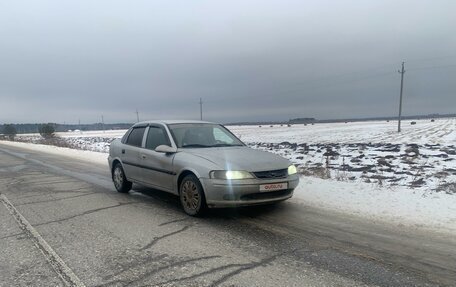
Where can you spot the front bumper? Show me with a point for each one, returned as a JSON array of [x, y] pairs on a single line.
[[229, 193]]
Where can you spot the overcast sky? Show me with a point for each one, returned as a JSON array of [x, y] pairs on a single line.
[[61, 61]]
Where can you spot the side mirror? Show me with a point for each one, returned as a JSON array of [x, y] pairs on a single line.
[[165, 149]]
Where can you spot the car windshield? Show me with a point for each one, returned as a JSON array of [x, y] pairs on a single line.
[[199, 135]]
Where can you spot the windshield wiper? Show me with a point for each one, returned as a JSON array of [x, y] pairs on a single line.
[[223, 145], [195, 145]]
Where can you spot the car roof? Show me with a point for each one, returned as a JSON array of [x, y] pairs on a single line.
[[168, 122]]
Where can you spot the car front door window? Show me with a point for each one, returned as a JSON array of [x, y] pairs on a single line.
[[156, 136]]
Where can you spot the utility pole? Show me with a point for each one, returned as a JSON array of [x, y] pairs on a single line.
[[402, 72], [137, 116], [201, 109], [102, 123]]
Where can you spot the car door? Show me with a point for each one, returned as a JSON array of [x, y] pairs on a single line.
[[158, 167], [130, 154]]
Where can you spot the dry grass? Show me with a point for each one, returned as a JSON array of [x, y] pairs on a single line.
[[447, 187]]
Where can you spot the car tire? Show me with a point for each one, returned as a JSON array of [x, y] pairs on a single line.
[[191, 196], [121, 183]]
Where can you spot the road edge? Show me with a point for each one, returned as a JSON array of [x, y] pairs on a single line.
[[60, 267]]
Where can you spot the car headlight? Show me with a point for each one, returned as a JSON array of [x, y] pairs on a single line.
[[230, 174], [292, 169]]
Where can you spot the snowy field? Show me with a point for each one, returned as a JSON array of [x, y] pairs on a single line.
[[363, 168], [441, 131], [421, 157]]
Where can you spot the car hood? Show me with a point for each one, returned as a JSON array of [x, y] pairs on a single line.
[[241, 158]]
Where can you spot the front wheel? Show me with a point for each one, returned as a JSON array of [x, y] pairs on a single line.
[[192, 196], [120, 181]]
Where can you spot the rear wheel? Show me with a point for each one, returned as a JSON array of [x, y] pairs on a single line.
[[120, 181], [192, 196]]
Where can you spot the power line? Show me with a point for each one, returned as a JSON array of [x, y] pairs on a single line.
[[339, 79], [433, 67], [431, 58], [311, 86]]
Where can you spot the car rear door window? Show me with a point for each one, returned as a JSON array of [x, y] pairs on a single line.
[[136, 136], [156, 136]]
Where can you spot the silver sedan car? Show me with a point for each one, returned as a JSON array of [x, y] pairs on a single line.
[[201, 162]]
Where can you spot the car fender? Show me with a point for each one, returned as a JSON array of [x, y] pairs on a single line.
[[199, 166], [111, 164]]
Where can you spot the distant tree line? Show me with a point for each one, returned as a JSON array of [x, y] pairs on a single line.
[[35, 128], [47, 131], [302, 121]]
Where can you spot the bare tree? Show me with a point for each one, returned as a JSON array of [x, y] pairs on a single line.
[[10, 131], [47, 131]]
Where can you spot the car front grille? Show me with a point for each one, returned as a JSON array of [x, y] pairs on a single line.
[[271, 174]]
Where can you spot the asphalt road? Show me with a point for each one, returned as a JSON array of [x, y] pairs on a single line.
[[63, 223]]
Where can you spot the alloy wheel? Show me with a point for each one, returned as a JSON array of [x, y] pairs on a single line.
[[190, 197]]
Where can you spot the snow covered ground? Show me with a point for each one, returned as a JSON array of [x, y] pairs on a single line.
[[422, 156], [441, 131], [362, 168]]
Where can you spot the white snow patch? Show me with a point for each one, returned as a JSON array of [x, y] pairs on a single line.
[[398, 205], [90, 156]]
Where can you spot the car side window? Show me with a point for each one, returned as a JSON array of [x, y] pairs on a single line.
[[156, 136], [136, 136], [124, 138]]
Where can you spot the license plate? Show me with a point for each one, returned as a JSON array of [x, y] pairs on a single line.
[[273, 186]]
